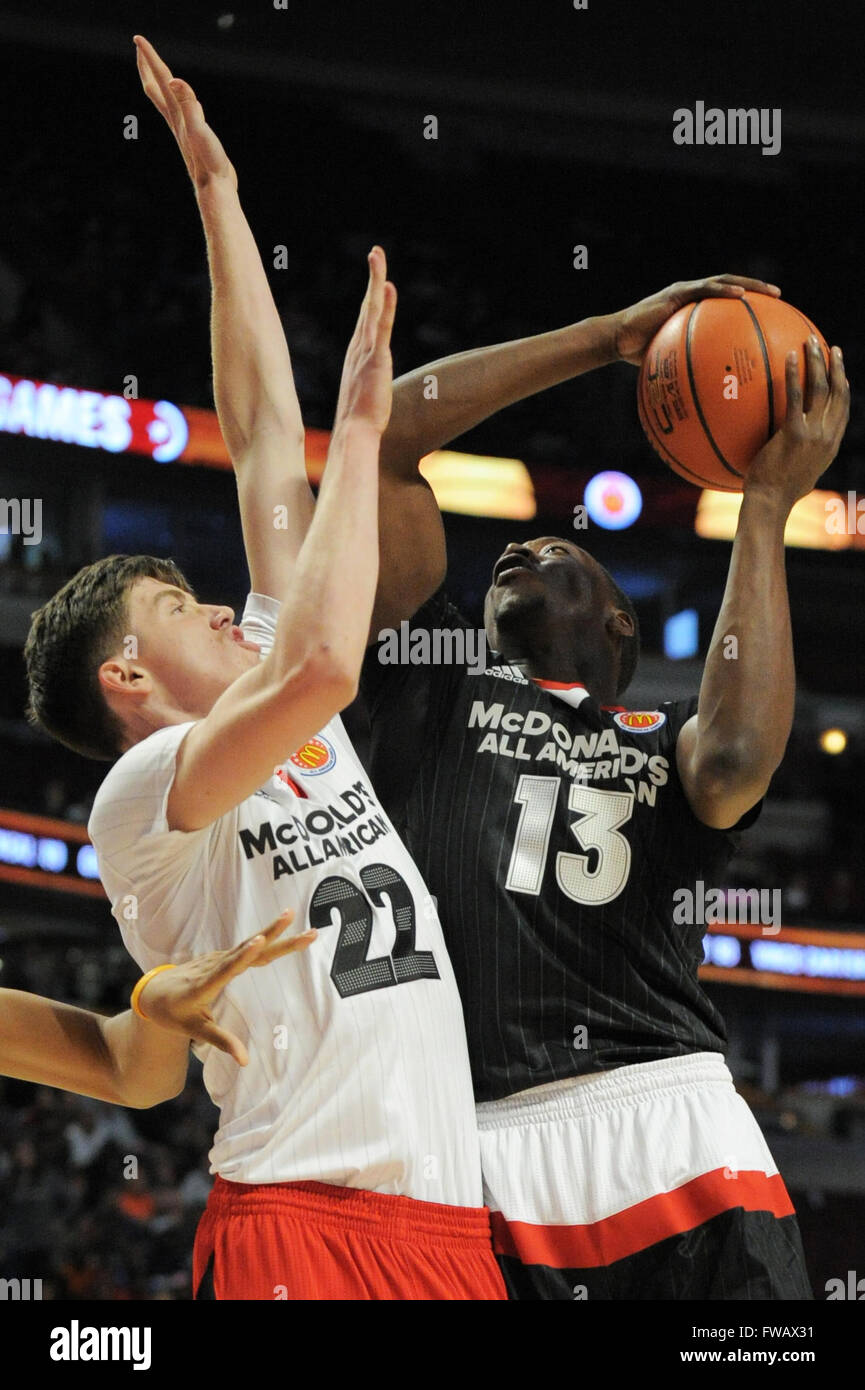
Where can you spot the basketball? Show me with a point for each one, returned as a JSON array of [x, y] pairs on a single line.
[[712, 390]]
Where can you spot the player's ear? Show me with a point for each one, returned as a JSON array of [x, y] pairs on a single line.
[[118, 676], [619, 623]]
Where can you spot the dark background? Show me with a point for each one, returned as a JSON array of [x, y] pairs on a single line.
[[555, 129]]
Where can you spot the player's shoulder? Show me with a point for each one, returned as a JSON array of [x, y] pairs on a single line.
[[146, 768], [329, 751], [665, 719]]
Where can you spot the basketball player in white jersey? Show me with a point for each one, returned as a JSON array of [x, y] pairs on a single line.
[[347, 1157]]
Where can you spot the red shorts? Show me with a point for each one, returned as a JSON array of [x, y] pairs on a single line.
[[313, 1240]]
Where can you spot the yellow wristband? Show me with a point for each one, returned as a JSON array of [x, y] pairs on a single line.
[[136, 993]]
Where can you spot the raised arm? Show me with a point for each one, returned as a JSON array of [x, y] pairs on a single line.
[[130, 1060], [313, 669], [471, 386], [253, 383], [727, 753]]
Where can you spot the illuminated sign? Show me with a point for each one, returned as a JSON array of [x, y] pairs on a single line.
[[477, 485], [92, 420], [613, 500], [45, 853], [167, 433], [819, 521], [804, 959], [682, 635]]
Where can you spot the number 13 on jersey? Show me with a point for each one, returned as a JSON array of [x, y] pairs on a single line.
[[597, 832]]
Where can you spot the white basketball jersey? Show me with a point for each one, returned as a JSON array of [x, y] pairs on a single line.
[[358, 1072]]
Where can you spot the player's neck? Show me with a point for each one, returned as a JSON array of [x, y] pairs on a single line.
[[153, 714], [559, 664]]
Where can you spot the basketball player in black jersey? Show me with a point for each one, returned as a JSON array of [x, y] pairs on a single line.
[[554, 825]]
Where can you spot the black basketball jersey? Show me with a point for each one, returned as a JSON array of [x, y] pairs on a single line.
[[554, 835]]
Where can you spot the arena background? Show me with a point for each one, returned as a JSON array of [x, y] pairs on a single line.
[[554, 130]]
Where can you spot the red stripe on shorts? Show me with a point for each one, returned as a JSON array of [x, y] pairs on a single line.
[[646, 1223]]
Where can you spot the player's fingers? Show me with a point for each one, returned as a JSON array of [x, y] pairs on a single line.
[[209, 1032], [690, 290], [360, 326], [157, 86], [716, 289], [374, 301], [793, 388], [151, 87], [377, 269], [160, 69], [185, 98], [159, 73], [277, 926], [838, 409], [258, 950], [285, 948], [379, 263], [207, 975], [747, 282], [187, 113], [222, 966], [816, 381], [177, 101], [385, 323], [839, 386]]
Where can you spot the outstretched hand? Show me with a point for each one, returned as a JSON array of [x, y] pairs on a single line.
[[790, 464], [180, 999], [174, 99], [634, 328], [367, 375]]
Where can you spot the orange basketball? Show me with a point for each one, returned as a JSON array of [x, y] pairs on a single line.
[[711, 389]]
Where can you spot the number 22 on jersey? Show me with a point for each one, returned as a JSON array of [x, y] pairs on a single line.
[[352, 972]]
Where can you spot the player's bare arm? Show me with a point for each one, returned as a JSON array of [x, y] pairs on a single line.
[[253, 383], [474, 385], [312, 672], [128, 1060], [728, 752]]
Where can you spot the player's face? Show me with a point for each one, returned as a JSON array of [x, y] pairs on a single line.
[[550, 576], [194, 650]]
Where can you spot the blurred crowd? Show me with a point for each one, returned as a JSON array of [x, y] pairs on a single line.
[[98, 1202]]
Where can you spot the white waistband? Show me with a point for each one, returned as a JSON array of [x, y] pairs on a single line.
[[579, 1096]]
